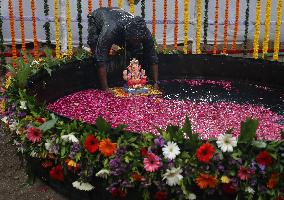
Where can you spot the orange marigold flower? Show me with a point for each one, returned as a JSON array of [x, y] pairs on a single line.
[[206, 181], [272, 182], [107, 148]]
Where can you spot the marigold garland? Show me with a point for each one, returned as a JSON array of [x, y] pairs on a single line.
[[143, 9], [22, 28], [2, 48], [90, 7], [46, 26], [132, 7], [154, 19], [109, 3], [277, 30], [257, 29], [185, 27], [69, 28], [246, 27], [34, 29], [119, 3], [176, 25], [226, 27], [198, 26], [266, 28], [79, 18], [57, 33], [205, 25], [216, 27], [236, 27], [12, 29], [165, 24]]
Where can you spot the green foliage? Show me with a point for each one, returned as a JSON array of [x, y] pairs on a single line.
[[248, 131], [48, 125]]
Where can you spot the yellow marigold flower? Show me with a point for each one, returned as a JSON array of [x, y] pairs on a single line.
[[72, 163], [8, 82], [225, 179]]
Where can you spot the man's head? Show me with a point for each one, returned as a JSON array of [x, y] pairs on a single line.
[[135, 31]]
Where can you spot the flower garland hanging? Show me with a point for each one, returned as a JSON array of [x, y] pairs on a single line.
[[46, 26], [119, 3], [132, 7], [226, 27], [12, 29], [22, 28], [176, 25], [198, 26], [34, 29], [100, 3], [165, 24], [277, 30], [216, 27], [2, 48], [266, 28], [143, 9], [154, 19], [109, 3], [57, 33], [257, 29], [205, 25], [236, 28], [69, 29], [90, 6], [185, 27], [79, 18], [246, 28]]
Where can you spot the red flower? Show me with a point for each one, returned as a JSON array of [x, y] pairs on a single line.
[[136, 176], [40, 120], [245, 173], [273, 180], [160, 195], [264, 158], [144, 151], [91, 144], [56, 173], [205, 152], [280, 198], [228, 188], [34, 134], [117, 192]]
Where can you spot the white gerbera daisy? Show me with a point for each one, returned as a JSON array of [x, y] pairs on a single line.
[[226, 142], [171, 150], [5, 120], [103, 173], [82, 186], [191, 196], [249, 190], [70, 138], [173, 176], [23, 105]]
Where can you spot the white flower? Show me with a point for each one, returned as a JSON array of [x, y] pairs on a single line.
[[5, 120], [173, 176], [69, 138], [35, 62], [47, 145], [249, 190], [103, 173], [34, 154], [23, 105], [13, 126], [191, 196], [171, 150], [226, 142], [82, 186]]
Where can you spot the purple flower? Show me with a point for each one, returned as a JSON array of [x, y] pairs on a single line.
[[159, 141], [75, 148], [117, 167]]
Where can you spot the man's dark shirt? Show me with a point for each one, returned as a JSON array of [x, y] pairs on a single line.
[[107, 27]]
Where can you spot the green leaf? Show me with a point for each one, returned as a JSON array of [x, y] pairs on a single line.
[[187, 127], [63, 151], [48, 125], [102, 125], [248, 131], [259, 144]]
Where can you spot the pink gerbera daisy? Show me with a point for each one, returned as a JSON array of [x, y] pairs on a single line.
[[245, 173], [34, 134], [151, 162]]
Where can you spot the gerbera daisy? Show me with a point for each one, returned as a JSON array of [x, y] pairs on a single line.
[[273, 180], [70, 138], [34, 134], [82, 186], [171, 150], [264, 158], [151, 162], [173, 176], [107, 148], [56, 173], [206, 181], [245, 173], [226, 142], [91, 144], [103, 173], [205, 152]]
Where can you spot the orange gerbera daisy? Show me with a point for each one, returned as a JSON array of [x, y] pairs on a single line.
[[272, 182], [107, 148], [206, 181]]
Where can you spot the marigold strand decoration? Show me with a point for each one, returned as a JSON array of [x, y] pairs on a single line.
[[154, 19], [109, 3], [257, 29], [216, 27], [185, 27], [34, 29], [12, 29], [90, 7], [246, 28], [100, 3], [46, 26], [226, 27], [57, 33], [79, 18], [277, 30], [69, 30], [165, 24], [132, 7], [176, 25], [2, 48], [119, 3], [143, 9], [22, 28], [198, 26], [236, 24], [266, 28], [205, 25]]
